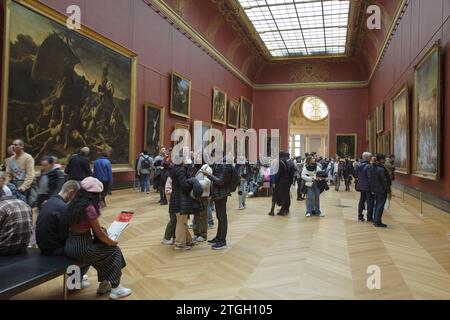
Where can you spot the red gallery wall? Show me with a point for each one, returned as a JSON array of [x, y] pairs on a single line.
[[161, 49], [347, 111], [424, 22]]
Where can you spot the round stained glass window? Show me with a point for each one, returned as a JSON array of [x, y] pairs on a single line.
[[314, 109]]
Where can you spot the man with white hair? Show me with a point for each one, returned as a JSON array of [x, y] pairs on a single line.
[[79, 167], [362, 173]]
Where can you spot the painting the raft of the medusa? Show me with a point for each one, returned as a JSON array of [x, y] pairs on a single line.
[[427, 115], [67, 89]]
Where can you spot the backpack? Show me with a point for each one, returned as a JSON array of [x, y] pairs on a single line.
[[235, 180], [146, 163]]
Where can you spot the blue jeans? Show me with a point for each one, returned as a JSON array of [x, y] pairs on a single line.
[[210, 215], [242, 193], [144, 182], [380, 201], [313, 196], [365, 197], [253, 187]]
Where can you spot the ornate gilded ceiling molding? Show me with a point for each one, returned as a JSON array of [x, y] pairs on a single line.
[[395, 22], [235, 44], [213, 27], [310, 72], [180, 6]]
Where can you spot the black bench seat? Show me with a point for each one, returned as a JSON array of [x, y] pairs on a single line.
[[19, 273]]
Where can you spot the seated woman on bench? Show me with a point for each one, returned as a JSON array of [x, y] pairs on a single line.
[[94, 247]]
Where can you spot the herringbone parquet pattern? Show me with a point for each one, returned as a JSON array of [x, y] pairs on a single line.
[[282, 257]]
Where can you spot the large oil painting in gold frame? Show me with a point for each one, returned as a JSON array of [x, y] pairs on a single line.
[[380, 118], [219, 106], [233, 114], [153, 128], [246, 114], [346, 144], [427, 115], [64, 89], [180, 95], [400, 130]]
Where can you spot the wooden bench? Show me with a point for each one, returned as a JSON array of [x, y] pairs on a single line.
[[19, 273]]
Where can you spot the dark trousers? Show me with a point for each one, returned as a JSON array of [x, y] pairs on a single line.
[[366, 197], [105, 191], [380, 201], [221, 214], [300, 184], [171, 226]]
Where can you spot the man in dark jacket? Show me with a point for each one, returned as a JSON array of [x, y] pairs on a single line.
[[362, 174], [79, 167], [220, 178], [52, 226], [283, 181], [348, 172], [380, 185], [50, 181]]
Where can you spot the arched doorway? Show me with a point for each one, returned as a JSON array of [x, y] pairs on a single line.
[[309, 126]]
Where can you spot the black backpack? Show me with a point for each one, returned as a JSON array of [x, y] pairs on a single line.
[[145, 164], [235, 180]]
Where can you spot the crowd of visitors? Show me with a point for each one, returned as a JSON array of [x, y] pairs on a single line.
[[59, 211]]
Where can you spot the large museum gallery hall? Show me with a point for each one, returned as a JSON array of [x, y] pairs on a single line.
[[225, 150]]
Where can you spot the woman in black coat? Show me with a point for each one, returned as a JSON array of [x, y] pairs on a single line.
[[181, 205], [283, 181]]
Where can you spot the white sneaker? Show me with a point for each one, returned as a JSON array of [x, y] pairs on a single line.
[[322, 215], [308, 215], [167, 242], [104, 287], [119, 292], [200, 239], [85, 282], [250, 194]]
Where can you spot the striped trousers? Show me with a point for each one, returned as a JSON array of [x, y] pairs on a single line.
[[108, 261]]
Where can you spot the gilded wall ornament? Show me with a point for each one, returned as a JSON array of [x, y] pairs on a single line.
[[310, 72]]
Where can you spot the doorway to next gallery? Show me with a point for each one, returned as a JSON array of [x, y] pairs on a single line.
[[308, 127]]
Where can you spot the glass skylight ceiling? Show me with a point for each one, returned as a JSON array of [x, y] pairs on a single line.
[[300, 27]]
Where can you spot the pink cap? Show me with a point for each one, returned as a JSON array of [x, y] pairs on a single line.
[[91, 184]]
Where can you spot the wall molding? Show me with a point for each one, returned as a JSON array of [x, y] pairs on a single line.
[[174, 18]]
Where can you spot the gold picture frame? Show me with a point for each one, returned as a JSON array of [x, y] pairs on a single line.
[[401, 152], [380, 118], [216, 117], [424, 140], [351, 139], [162, 110], [177, 107], [243, 119], [60, 20], [234, 124]]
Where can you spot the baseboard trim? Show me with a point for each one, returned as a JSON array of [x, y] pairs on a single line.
[[428, 198]]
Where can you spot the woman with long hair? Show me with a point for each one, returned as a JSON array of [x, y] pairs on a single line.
[[88, 242], [309, 175]]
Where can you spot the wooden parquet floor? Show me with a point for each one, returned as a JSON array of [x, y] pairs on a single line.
[[281, 257]]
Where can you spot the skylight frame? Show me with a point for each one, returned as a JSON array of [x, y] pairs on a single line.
[[321, 27]]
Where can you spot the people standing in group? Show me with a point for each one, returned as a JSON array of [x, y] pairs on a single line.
[[221, 177], [103, 172], [144, 169], [347, 172], [330, 170], [165, 174], [15, 226], [380, 186], [309, 175], [88, 242], [158, 167], [20, 168], [362, 176], [78, 168], [282, 185]]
